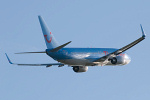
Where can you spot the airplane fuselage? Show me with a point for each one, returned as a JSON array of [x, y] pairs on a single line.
[[86, 56]]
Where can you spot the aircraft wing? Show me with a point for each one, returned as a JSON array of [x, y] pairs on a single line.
[[47, 65], [119, 51]]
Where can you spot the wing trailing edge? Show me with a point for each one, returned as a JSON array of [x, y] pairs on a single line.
[[47, 65]]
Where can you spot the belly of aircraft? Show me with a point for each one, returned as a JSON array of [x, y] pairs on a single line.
[[76, 62], [84, 62]]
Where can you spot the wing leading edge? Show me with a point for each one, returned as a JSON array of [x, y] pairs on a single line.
[[105, 58], [47, 65]]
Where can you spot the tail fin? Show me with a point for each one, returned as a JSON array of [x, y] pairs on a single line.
[[49, 38]]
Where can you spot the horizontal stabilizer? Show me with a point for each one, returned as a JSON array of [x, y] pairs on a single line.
[[58, 48], [31, 52]]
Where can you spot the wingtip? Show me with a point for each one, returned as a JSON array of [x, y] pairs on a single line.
[[143, 34], [8, 59], [70, 41], [39, 16]]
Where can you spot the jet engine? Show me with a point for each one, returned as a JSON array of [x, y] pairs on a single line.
[[80, 68], [117, 60]]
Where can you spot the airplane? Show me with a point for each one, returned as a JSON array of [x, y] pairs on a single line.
[[81, 58]]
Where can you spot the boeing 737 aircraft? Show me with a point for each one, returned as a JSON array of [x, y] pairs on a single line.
[[81, 58]]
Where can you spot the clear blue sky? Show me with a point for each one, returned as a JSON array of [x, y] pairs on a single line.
[[88, 23]]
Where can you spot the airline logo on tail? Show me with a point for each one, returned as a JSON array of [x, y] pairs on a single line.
[[49, 41]]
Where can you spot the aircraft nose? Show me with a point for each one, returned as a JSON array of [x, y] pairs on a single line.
[[127, 59]]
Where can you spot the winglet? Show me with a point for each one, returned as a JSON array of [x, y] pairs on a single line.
[[8, 59], [143, 34]]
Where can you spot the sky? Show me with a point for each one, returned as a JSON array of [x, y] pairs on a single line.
[[87, 23]]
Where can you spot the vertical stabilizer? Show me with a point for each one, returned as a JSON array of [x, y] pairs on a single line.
[[49, 38]]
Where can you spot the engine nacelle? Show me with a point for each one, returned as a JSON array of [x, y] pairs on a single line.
[[80, 68], [117, 60]]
